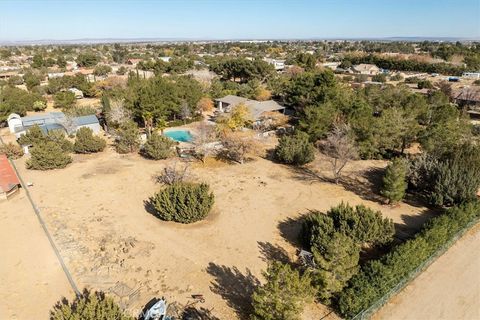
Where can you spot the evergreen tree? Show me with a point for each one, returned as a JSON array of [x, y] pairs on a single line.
[[127, 139], [46, 156], [362, 224], [33, 136], [89, 306], [394, 181], [295, 149], [336, 262], [158, 147], [284, 294], [86, 142], [183, 202]]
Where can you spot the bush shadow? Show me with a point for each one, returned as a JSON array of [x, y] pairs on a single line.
[[270, 252], [234, 287], [192, 313], [290, 230]]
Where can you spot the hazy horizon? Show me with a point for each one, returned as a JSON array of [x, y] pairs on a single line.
[[24, 21]]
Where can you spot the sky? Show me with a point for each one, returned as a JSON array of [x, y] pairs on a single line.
[[22, 20]]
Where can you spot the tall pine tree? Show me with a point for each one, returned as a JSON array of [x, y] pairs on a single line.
[[337, 262], [394, 181], [284, 294]]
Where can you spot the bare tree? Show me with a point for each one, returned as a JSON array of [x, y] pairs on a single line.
[[203, 141], [185, 111], [173, 174], [340, 148], [69, 124], [238, 145], [117, 113]]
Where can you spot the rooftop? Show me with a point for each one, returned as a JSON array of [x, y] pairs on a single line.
[[8, 177]]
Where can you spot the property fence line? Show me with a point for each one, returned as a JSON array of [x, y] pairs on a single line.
[[367, 313], [45, 229]]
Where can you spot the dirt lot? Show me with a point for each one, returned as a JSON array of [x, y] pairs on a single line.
[[31, 279], [95, 209], [448, 289]]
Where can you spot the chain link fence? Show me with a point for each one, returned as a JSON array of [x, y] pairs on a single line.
[[367, 313]]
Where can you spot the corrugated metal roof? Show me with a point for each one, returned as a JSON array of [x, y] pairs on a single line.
[[86, 120]]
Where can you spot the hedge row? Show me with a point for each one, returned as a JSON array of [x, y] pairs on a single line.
[[378, 277]]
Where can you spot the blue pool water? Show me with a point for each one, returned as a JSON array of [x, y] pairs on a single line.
[[179, 135]]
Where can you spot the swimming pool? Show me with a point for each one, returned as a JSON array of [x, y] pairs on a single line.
[[179, 135]]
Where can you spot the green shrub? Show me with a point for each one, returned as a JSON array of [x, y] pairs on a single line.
[[33, 136], [11, 150], [158, 147], [336, 262], [284, 294], [39, 105], [380, 77], [378, 277], [295, 149], [362, 224], [89, 306], [58, 137], [394, 181], [127, 139], [450, 179], [183, 202], [86, 142], [64, 99], [47, 156], [424, 84]]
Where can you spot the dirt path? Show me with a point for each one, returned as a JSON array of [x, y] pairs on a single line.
[[31, 279], [448, 289]]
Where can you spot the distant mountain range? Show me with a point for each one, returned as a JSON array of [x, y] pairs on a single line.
[[166, 40]]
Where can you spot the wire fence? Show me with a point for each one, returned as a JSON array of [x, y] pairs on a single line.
[[367, 313], [45, 229]]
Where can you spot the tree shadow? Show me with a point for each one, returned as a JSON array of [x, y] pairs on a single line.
[[412, 224], [192, 313], [308, 175], [367, 185], [234, 287], [290, 229], [368, 189], [270, 252]]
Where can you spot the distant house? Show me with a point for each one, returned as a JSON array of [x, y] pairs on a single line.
[[257, 108], [53, 75], [9, 181], [133, 62], [78, 93], [467, 96], [471, 75], [331, 65], [8, 74], [368, 69], [279, 65], [165, 59], [52, 121]]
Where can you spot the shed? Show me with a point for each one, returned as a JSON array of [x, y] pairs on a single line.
[[90, 121], [14, 120], [9, 181]]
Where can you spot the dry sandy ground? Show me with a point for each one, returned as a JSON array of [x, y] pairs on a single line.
[[95, 210], [31, 279], [448, 289]]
